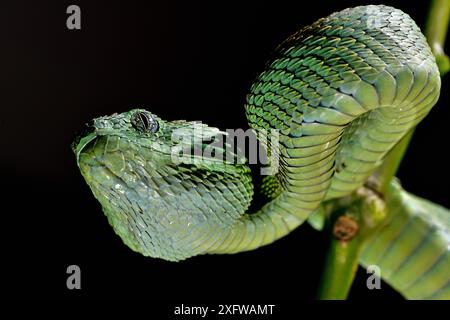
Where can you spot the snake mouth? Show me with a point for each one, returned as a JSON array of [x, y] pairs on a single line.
[[83, 138]]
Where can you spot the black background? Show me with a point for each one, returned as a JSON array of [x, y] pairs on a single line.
[[180, 60]]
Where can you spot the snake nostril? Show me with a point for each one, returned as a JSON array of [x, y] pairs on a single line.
[[88, 128]]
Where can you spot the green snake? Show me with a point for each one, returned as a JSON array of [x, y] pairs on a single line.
[[340, 93]]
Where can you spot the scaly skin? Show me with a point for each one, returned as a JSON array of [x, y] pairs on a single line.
[[412, 246], [341, 93]]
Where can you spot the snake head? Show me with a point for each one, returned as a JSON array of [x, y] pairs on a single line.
[[138, 126], [160, 199]]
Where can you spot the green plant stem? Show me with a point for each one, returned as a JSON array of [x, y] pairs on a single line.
[[391, 163], [340, 268], [436, 31]]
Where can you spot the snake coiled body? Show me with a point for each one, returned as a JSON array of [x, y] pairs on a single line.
[[340, 93]]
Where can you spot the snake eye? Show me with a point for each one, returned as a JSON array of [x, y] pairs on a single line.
[[144, 122]]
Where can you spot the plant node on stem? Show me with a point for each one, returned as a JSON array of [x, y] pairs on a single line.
[[352, 221]]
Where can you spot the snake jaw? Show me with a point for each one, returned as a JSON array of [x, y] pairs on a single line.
[[82, 139]]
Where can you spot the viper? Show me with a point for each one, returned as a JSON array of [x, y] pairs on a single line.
[[340, 93]]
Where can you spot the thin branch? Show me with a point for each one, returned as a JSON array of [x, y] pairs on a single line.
[[436, 32], [340, 265]]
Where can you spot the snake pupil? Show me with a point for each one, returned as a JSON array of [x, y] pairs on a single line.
[[144, 122]]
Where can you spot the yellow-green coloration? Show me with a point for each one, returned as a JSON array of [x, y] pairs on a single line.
[[341, 93], [411, 247]]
